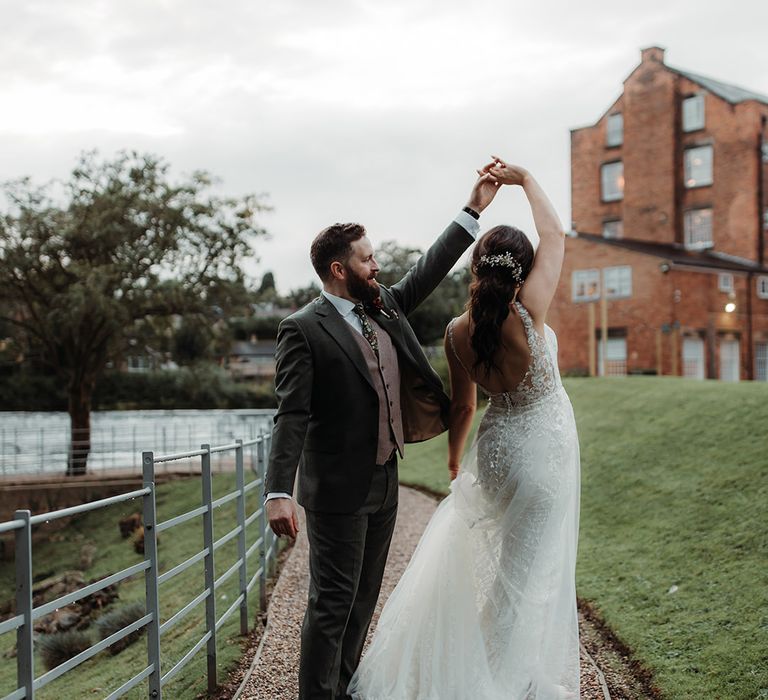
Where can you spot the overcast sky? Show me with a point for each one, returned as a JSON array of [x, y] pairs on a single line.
[[368, 110]]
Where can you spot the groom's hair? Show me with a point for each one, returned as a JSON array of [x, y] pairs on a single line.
[[333, 244]]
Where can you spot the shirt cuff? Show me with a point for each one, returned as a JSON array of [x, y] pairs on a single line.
[[468, 223], [277, 494]]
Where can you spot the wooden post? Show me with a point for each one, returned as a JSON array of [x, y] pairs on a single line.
[[603, 329], [659, 360], [675, 342], [591, 338]]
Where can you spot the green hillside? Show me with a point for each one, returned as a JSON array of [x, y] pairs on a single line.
[[674, 494]]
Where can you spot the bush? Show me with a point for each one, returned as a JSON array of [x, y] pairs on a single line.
[[28, 391], [198, 386], [59, 647], [117, 619]]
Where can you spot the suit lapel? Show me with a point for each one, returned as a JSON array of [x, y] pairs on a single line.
[[333, 324]]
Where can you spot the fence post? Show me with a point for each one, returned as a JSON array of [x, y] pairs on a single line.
[[210, 572], [240, 475], [260, 471], [25, 651], [151, 574]]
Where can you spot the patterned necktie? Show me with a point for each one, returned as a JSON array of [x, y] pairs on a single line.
[[368, 333]]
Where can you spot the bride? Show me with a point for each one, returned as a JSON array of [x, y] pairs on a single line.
[[487, 606]]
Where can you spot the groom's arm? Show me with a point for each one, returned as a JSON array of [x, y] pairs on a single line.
[[293, 388], [432, 267]]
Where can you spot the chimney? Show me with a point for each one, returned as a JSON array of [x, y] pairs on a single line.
[[652, 53]]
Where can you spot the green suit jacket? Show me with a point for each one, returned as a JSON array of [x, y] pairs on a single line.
[[326, 424]]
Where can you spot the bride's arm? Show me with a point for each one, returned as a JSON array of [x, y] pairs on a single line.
[[540, 286], [463, 406]]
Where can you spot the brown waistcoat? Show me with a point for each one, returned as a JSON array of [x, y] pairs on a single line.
[[385, 373]]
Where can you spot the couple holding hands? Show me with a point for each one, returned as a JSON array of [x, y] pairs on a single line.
[[487, 606]]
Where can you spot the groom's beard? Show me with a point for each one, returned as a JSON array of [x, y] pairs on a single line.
[[364, 289]]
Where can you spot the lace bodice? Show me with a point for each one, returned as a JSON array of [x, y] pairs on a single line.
[[542, 377]]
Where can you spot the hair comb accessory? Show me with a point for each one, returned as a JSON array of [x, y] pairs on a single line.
[[503, 260]]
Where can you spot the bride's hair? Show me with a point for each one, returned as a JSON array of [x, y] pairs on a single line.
[[501, 261]]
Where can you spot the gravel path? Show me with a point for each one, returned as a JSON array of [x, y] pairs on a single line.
[[274, 672]]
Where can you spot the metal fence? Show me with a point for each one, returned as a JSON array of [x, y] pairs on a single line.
[[265, 545]]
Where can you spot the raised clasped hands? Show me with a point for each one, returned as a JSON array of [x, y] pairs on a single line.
[[491, 176], [505, 173]]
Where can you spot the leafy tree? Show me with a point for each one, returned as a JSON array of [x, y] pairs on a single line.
[[267, 283], [431, 317], [302, 296], [117, 247]]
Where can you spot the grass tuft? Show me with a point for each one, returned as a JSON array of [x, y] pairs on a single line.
[[59, 647], [115, 620]]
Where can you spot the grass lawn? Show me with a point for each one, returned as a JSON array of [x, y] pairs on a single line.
[[674, 493], [104, 673]]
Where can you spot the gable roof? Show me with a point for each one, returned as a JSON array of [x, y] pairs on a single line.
[[730, 93], [679, 255]]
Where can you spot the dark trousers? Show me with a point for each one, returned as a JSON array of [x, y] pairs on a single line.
[[347, 554]]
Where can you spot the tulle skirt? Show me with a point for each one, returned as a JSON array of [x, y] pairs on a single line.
[[487, 606]]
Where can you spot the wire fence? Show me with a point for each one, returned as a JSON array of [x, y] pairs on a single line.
[[264, 547]]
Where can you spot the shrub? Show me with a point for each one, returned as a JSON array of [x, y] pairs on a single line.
[[117, 619], [28, 391], [198, 386], [59, 647]]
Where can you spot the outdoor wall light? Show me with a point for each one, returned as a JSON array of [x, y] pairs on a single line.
[[730, 307]]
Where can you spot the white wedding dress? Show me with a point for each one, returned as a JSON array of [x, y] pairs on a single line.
[[486, 609]]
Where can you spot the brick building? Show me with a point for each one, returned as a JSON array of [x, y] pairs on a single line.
[[670, 218]]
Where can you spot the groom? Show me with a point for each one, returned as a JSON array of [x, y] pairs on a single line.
[[353, 386]]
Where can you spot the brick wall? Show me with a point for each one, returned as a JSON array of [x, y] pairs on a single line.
[[664, 308]]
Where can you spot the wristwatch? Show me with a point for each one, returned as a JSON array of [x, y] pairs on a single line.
[[471, 212]]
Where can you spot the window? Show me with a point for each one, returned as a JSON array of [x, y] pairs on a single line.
[[615, 364], [761, 362], [614, 130], [612, 181], [762, 286], [725, 282], [693, 113], [585, 285], [618, 282], [693, 358], [729, 360], [698, 166], [613, 229], [138, 363], [697, 227]]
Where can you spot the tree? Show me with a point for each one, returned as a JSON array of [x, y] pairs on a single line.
[[116, 247], [448, 300], [267, 283], [303, 295]]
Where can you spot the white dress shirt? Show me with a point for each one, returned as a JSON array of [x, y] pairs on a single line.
[[345, 306]]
